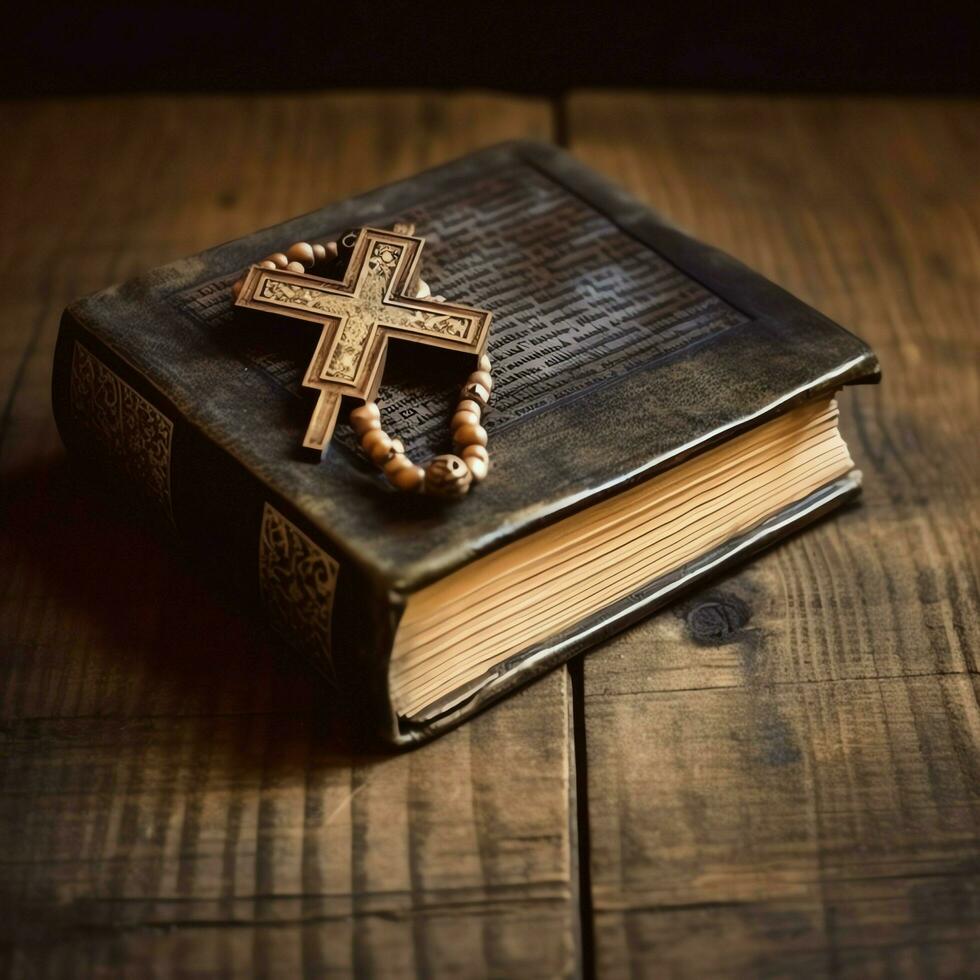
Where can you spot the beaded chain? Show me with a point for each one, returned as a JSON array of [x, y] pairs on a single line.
[[447, 475]]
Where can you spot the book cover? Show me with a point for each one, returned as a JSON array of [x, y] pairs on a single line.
[[621, 347]]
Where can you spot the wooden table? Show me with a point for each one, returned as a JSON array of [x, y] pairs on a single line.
[[780, 776]]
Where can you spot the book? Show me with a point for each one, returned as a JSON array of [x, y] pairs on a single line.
[[659, 413]]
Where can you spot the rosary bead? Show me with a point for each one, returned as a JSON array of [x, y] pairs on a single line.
[[424, 292], [477, 459], [319, 252], [468, 405], [331, 249], [485, 363], [478, 468], [373, 436], [447, 476], [397, 446], [296, 267], [409, 479], [237, 288], [279, 259], [267, 264], [301, 252], [365, 417], [364, 425], [481, 378], [473, 391], [476, 451], [380, 451], [470, 435], [397, 462], [367, 410], [464, 417]]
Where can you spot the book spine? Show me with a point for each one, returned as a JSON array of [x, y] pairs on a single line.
[[322, 602]]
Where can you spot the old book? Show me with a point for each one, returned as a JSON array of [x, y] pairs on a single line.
[[659, 412]]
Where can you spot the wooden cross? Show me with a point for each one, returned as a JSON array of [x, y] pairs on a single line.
[[374, 301]]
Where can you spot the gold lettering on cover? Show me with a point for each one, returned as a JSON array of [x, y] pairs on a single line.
[[134, 433], [357, 316], [297, 581]]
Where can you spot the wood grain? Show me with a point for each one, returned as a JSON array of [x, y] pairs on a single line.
[[784, 771], [174, 797]]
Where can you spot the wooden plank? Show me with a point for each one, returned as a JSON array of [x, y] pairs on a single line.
[[172, 798], [783, 772]]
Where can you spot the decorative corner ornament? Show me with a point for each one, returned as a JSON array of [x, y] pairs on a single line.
[[380, 296]]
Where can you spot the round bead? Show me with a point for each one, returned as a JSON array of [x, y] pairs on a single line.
[[475, 392], [279, 259], [364, 425], [301, 252], [481, 378], [408, 479], [464, 418], [397, 446], [478, 468], [485, 364], [363, 417], [237, 288], [438, 299], [380, 452], [470, 435], [331, 249], [319, 252], [477, 451], [295, 267], [397, 462], [423, 291], [468, 405], [373, 436], [447, 476], [267, 264]]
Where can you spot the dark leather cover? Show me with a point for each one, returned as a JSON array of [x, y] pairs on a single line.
[[621, 347]]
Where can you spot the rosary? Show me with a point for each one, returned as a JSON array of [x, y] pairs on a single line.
[[381, 295]]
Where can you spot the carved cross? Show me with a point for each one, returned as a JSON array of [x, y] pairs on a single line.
[[375, 301]]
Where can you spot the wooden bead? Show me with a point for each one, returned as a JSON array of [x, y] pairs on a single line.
[[478, 468], [470, 435], [468, 405], [485, 364], [279, 259], [397, 462], [447, 476], [331, 249], [301, 252], [267, 264], [475, 392], [380, 451], [477, 451], [374, 436], [296, 267], [481, 378], [464, 418], [397, 446], [409, 479], [364, 425], [364, 418], [237, 288], [370, 409], [319, 252]]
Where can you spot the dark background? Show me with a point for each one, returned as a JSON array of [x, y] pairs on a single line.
[[536, 48]]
